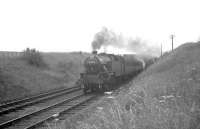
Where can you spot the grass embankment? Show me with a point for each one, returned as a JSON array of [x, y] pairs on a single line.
[[19, 79], [165, 96], [68, 65]]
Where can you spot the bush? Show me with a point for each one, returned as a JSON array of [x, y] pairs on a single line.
[[34, 58], [166, 53], [70, 69], [65, 67], [151, 61]]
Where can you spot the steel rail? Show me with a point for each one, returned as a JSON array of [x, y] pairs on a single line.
[[33, 125], [28, 101], [15, 120], [6, 104]]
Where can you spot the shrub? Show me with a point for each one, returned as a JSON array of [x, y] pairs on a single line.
[[151, 61], [165, 54], [65, 67], [69, 68], [34, 58]]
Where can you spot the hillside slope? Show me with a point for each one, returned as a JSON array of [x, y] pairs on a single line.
[[173, 83], [19, 79], [164, 96], [171, 74], [69, 64]]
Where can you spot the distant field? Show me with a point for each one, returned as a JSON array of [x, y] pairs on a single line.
[[8, 54], [19, 79]]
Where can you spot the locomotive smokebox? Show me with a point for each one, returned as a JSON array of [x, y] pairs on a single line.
[[94, 52]]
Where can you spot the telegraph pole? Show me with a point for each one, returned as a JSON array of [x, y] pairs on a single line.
[[161, 50], [172, 37]]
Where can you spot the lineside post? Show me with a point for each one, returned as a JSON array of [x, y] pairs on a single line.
[[172, 37]]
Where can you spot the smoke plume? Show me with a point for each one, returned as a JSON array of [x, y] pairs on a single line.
[[142, 47], [106, 38]]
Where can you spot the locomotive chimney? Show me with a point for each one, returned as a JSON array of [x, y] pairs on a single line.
[[94, 52], [104, 49]]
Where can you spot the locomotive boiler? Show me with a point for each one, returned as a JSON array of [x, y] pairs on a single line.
[[103, 71]]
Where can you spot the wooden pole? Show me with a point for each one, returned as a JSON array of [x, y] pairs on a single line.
[[161, 50], [172, 37]]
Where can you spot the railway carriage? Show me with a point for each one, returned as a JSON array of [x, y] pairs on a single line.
[[103, 71]]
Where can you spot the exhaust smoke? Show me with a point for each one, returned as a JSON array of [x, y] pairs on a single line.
[[106, 38]]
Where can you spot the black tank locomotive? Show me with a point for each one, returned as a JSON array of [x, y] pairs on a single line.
[[103, 71]]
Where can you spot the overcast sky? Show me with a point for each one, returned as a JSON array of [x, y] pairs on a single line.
[[70, 25]]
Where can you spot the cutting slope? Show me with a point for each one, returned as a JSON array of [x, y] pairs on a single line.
[[172, 89], [19, 79], [165, 96], [174, 72]]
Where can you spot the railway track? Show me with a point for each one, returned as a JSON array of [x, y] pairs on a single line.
[[45, 111], [71, 108], [59, 107], [30, 120], [18, 104]]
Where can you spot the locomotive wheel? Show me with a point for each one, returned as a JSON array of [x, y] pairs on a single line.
[[105, 88], [112, 83], [92, 89], [100, 88], [85, 89]]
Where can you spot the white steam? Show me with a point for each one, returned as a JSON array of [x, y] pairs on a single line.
[[106, 38]]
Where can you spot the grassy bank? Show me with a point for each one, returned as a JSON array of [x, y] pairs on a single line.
[[165, 96], [19, 79]]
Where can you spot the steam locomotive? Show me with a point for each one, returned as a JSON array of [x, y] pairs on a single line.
[[103, 71]]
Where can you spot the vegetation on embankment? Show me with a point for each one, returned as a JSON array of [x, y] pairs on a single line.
[[34, 72], [165, 96], [70, 65]]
